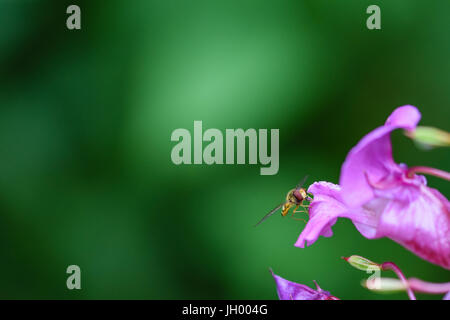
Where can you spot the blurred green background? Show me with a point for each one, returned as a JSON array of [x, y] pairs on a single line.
[[86, 117]]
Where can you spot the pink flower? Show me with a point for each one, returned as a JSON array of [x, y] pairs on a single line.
[[383, 198], [288, 290]]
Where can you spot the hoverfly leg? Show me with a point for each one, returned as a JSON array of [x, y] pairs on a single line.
[[300, 219], [304, 206], [295, 211], [298, 211]]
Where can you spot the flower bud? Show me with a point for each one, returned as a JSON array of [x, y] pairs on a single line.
[[362, 263], [429, 137], [384, 285]]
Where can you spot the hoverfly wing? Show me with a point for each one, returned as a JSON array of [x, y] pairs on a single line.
[[270, 213], [302, 182]]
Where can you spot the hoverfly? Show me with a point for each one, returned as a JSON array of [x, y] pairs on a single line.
[[295, 197]]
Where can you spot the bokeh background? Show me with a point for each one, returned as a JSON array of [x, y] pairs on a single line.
[[86, 117]]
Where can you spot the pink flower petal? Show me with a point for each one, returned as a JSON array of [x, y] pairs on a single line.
[[288, 290], [417, 217], [324, 210], [373, 156]]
